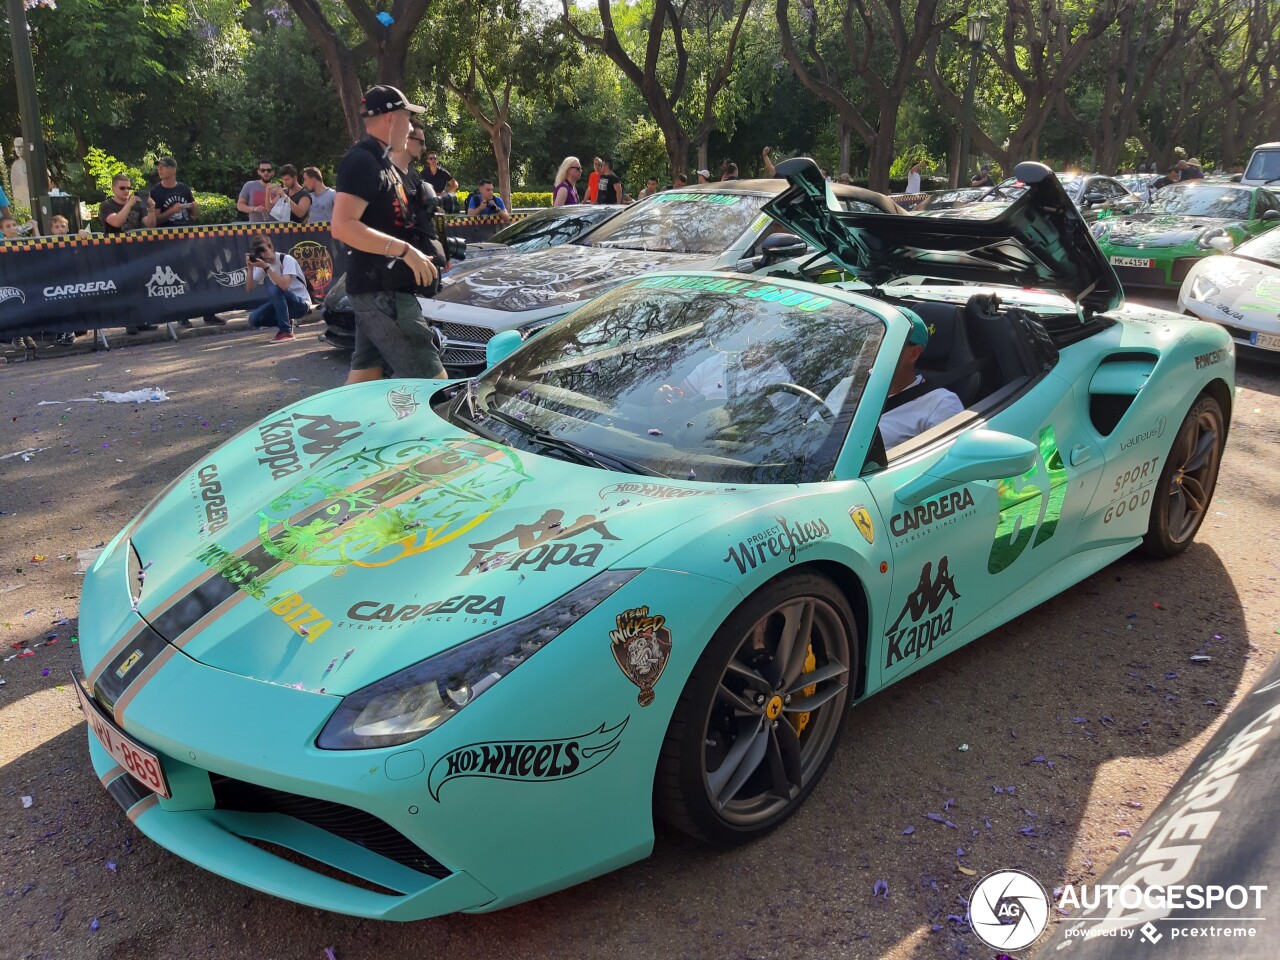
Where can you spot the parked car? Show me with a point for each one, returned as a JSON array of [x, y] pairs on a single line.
[[1264, 166], [716, 226], [548, 227], [400, 650], [1240, 291], [1155, 248], [1094, 194]]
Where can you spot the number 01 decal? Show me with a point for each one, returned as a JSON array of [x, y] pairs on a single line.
[[1030, 505]]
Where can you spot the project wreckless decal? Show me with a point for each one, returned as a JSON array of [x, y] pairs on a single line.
[[529, 760], [1030, 505]]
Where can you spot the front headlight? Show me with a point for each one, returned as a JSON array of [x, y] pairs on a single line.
[[1204, 289], [1099, 230], [418, 699]]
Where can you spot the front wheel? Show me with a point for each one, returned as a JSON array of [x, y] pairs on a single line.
[[1185, 489], [758, 719]]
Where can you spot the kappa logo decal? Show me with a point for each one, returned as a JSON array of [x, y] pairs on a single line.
[[529, 760], [546, 543], [926, 620], [642, 647], [322, 434], [164, 283]]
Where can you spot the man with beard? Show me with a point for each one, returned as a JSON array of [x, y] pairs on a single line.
[[253, 195]]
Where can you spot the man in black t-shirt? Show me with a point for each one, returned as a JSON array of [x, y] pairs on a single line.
[[124, 209], [609, 189], [175, 203], [299, 198], [442, 182], [373, 216]]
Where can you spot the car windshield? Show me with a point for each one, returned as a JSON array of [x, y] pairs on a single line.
[[675, 222], [539, 231], [713, 378], [1264, 165], [1265, 248], [1198, 200]]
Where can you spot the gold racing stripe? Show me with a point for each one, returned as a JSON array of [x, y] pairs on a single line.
[[163, 657], [111, 774], [142, 806]]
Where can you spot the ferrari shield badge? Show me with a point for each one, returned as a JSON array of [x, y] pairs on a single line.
[[642, 647], [861, 518]]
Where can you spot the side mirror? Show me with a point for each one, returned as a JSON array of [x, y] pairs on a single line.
[[1225, 244], [1235, 177], [501, 346], [782, 246], [1271, 215], [976, 455], [1092, 198]]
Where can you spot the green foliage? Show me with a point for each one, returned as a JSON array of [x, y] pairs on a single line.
[[903, 163], [641, 153], [102, 168], [216, 208], [527, 198]]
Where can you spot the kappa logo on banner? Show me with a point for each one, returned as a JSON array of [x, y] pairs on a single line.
[[232, 278], [12, 293], [94, 288], [165, 283]]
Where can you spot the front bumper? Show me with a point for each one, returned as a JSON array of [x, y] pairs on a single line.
[[1166, 274]]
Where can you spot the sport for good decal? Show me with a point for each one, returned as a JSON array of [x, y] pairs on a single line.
[[529, 760], [926, 620], [642, 646]]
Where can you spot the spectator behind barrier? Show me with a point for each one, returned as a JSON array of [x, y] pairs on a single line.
[[175, 203], [321, 196]]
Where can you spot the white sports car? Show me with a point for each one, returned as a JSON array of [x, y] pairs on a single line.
[[1240, 291]]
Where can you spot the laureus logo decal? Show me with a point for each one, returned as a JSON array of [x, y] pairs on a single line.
[[642, 647], [529, 760]]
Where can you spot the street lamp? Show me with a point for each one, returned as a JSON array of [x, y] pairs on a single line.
[[977, 30]]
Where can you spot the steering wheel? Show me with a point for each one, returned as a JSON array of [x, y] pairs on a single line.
[[815, 403]]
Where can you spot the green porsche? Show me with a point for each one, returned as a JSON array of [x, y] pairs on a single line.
[[405, 648], [1156, 247]]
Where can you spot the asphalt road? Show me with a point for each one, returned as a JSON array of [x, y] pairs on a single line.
[[1082, 712]]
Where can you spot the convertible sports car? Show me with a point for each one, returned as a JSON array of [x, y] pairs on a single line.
[[1240, 291], [401, 650], [718, 226], [1156, 247]]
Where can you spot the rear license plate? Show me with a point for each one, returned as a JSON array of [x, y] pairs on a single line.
[[1267, 341], [140, 763], [1131, 262]]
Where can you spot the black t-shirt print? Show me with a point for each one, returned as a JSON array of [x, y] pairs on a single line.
[[166, 197], [366, 172], [297, 198], [605, 193], [132, 222]]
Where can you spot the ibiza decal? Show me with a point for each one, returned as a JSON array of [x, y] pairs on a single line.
[[861, 518], [1030, 505], [651, 491], [784, 539], [915, 522], [532, 761], [212, 499], [537, 546], [927, 621], [321, 437], [1153, 432], [381, 615], [302, 617], [642, 646], [403, 403]]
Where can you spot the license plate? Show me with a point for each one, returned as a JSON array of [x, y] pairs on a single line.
[[1131, 262], [140, 763], [1267, 341]]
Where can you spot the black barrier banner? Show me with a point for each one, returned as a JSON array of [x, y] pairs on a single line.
[[59, 284]]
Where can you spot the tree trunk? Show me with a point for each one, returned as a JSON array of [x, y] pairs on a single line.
[[844, 133], [882, 152], [501, 137], [702, 157]]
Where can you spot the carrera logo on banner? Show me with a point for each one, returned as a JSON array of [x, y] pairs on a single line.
[[232, 278], [94, 288], [528, 760], [165, 283], [12, 293]]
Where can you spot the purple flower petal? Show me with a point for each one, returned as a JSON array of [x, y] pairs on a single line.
[[881, 889], [948, 803], [1124, 833], [1028, 831], [909, 831], [936, 817]]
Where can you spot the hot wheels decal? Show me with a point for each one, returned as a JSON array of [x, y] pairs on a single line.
[[528, 760]]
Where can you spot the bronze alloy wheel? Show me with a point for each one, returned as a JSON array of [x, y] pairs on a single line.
[[757, 722]]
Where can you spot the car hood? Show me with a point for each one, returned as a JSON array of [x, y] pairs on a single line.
[[567, 274], [1246, 292], [1157, 229], [327, 552], [1038, 240]]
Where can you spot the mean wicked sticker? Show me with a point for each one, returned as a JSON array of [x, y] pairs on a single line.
[[642, 647]]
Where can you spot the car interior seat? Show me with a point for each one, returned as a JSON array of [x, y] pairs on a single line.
[[948, 359]]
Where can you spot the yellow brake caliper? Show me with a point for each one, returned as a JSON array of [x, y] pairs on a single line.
[[801, 720]]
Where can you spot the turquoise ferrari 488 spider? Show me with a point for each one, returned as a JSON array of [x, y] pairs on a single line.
[[405, 648]]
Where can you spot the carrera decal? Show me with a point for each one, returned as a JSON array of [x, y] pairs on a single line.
[[783, 539], [379, 615], [212, 499], [651, 491], [1030, 505], [923, 518], [927, 622], [539, 545], [861, 518], [641, 645], [529, 760]]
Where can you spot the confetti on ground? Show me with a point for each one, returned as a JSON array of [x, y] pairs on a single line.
[[909, 831], [26, 803], [881, 889]]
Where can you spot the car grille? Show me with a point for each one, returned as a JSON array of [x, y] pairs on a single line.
[[1140, 277], [1182, 266], [466, 332], [359, 827], [456, 357]]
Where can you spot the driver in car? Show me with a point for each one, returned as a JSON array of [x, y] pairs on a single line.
[[730, 375], [913, 406]]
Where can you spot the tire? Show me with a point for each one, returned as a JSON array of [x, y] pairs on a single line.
[[741, 755], [1186, 484]]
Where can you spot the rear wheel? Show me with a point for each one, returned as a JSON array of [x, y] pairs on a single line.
[[1186, 484], [758, 720]]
